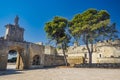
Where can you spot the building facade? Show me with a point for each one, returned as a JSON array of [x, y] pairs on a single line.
[[103, 52]]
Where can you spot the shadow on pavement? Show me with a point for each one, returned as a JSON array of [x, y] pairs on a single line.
[[10, 72]]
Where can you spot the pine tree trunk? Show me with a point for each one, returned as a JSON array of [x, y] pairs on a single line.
[[65, 59], [90, 58], [90, 53], [89, 47]]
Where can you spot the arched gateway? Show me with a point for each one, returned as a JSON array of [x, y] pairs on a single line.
[[14, 40]]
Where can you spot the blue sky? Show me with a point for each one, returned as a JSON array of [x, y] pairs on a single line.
[[35, 13]]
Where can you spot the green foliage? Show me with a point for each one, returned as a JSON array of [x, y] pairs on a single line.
[[92, 26], [56, 30]]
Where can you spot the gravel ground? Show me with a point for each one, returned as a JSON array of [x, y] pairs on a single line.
[[61, 74]]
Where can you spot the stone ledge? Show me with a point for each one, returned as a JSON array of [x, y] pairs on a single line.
[[98, 65]]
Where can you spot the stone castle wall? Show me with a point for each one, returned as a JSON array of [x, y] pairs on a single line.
[[103, 52], [53, 60], [51, 57]]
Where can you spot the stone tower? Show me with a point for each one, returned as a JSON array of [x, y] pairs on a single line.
[[14, 32]]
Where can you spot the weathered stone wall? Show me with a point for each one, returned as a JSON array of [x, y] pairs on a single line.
[[98, 65], [3, 56], [53, 60], [108, 60], [105, 51], [14, 33], [50, 50], [49, 60], [6, 46], [51, 57], [72, 60], [59, 60], [36, 50], [26, 53]]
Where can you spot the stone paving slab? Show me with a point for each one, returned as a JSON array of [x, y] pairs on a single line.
[[61, 74]]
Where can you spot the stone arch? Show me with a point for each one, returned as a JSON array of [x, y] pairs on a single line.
[[20, 63], [36, 60]]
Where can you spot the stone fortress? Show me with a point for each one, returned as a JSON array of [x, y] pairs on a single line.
[[104, 52], [29, 55], [37, 55]]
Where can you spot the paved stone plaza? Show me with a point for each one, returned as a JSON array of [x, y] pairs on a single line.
[[61, 74]]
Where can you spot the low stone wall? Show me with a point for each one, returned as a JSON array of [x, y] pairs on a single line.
[[109, 60], [53, 60], [59, 60], [72, 60], [99, 65], [49, 60]]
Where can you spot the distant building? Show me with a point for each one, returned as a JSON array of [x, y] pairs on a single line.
[[104, 52]]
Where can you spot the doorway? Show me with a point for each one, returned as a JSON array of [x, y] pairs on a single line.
[[12, 57], [15, 60]]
